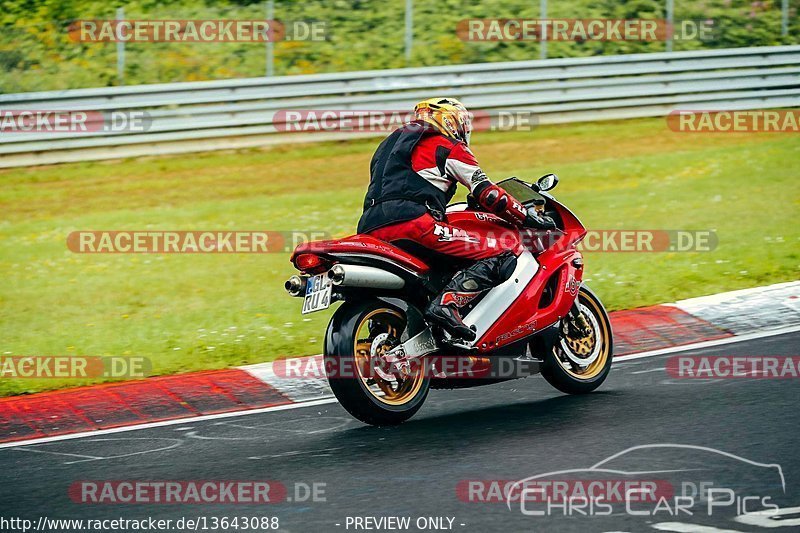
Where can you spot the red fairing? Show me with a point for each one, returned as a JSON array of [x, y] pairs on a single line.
[[574, 229], [525, 317], [364, 245], [489, 226], [484, 223], [452, 238]]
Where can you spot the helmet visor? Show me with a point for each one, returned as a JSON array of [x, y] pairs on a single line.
[[464, 125]]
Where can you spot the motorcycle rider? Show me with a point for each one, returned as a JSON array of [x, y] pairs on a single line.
[[413, 175]]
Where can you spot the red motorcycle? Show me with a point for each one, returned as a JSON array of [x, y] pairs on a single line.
[[381, 357]]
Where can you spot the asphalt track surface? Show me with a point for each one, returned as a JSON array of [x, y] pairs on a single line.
[[506, 431]]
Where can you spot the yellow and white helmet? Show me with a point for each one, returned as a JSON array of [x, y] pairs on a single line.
[[447, 115]]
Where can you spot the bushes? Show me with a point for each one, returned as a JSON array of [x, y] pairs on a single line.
[[36, 54]]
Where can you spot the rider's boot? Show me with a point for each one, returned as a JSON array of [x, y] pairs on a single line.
[[465, 286]]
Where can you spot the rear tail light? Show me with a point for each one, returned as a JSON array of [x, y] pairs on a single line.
[[311, 263]]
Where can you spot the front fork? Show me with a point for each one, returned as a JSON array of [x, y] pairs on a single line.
[[577, 326]]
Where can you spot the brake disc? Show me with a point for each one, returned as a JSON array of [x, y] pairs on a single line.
[[583, 350], [376, 352]]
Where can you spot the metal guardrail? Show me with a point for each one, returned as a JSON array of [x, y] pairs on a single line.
[[239, 113]]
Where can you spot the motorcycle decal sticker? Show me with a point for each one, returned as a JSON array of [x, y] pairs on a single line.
[[449, 234], [520, 330], [572, 285]]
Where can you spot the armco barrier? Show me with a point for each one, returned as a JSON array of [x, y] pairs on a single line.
[[238, 113]]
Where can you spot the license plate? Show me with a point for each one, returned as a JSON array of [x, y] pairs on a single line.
[[318, 294]]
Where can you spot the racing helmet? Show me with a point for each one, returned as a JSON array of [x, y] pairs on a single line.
[[447, 115]]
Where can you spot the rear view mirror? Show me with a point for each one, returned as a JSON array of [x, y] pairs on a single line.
[[547, 182]]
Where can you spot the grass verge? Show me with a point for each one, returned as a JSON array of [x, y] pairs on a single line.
[[194, 312]]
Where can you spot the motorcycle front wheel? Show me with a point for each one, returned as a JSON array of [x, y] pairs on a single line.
[[578, 365], [358, 334]]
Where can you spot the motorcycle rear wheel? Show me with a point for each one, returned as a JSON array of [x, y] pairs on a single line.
[[357, 333], [579, 366]]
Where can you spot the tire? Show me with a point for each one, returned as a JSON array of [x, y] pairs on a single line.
[[559, 368], [371, 404]]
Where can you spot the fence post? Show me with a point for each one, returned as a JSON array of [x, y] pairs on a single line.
[[785, 18], [409, 35], [270, 57], [121, 51], [543, 40], [670, 21]]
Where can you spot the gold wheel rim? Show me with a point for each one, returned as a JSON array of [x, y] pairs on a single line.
[[585, 345], [376, 322]]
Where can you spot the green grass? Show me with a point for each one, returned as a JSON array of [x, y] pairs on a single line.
[[192, 312]]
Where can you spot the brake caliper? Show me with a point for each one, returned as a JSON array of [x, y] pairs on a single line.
[[577, 326]]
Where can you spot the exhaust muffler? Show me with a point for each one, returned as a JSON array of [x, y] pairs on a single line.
[[296, 285], [364, 277]]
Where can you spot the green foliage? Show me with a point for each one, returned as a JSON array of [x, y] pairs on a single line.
[[37, 54]]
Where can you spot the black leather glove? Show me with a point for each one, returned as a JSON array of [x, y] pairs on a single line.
[[542, 222]]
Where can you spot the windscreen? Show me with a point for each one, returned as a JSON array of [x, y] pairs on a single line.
[[519, 190]]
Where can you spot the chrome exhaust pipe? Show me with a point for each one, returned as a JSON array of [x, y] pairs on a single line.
[[364, 277], [296, 285]]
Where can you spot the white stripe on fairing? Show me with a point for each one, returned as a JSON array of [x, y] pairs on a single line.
[[497, 301]]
